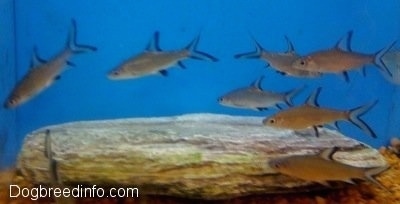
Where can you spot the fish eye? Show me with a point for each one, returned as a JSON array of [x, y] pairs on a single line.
[[302, 62], [116, 73], [271, 121], [220, 99]]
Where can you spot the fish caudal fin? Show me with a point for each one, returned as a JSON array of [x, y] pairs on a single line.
[[375, 171], [354, 117], [196, 54], [378, 59], [71, 41], [291, 94], [251, 55]]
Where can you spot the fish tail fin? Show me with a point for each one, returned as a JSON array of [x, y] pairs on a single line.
[[251, 55], [291, 94], [378, 59], [368, 175], [354, 117], [71, 41], [196, 54]]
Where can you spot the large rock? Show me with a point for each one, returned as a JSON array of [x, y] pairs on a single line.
[[198, 156]]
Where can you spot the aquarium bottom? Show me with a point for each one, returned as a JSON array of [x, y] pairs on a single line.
[[362, 193]]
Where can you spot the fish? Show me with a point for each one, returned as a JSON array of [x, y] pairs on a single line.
[[322, 168], [280, 61], [43, 73], [310, 115], [255, 98], [341, 59], [155, 61]]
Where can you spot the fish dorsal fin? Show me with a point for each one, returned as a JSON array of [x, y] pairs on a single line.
[[312, 99], [327, 154], [36, 60], [153, 44], [290, 48], [344, 42], [257, 83]]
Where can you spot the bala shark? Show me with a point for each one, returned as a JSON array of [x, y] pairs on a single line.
[[155, 61], [43, 73], [340, 59], [311, 115], [281, 61], [254, 97], [322, 168]]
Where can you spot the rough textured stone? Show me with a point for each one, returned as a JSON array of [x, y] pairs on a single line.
[[205, 156]]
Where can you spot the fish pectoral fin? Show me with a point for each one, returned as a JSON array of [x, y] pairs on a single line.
[[71, 64], [281, 73], [181, 65], [316, 132], [350, 181], [261, 109], [324, 183], [163, 72]]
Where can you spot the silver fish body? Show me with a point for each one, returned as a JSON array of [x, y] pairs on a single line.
[[155, 61], [42, 74], [253, 97]]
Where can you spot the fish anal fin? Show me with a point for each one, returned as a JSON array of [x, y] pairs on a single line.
[[368, 175], [163, 72], [346, 76], [281, 73]]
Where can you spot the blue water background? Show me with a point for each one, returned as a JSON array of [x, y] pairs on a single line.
[[121, 29]]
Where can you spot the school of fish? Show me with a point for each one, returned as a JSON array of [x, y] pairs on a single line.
[[339, 59]]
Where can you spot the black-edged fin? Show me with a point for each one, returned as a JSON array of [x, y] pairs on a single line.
[[196, 54], [378, 59], [36, 60], [346, 76], [290, 48], [251, 55], [153, 45], [181, 65], [328, 153], [257, 83], [261, 109], [278, 107], [69, 63], [281, 73], [289, 95], [58, 77], [364, 71], [312, 99], [375, 171], [354, 117], [344, 42], [316, 132], [163, 72], [71, 41]]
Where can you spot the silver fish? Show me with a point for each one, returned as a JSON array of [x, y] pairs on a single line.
[[340, 59], [280, 61], [42, 74], [155, 61], [253, 97], [322, 168]]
